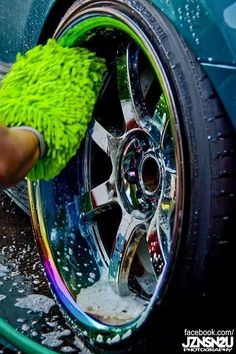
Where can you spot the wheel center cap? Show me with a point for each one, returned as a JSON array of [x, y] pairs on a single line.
[[139, 175]]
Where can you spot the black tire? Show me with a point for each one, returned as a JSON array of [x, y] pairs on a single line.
[[206, 244]]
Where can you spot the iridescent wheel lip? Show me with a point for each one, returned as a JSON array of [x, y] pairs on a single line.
[[55, 281], [91, 20]]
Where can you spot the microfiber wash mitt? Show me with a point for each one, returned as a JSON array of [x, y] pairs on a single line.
[[52, 89]]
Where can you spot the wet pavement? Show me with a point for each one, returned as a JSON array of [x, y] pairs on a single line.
[[26, 301]]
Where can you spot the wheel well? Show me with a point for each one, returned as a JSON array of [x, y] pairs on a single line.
[[56, 13]]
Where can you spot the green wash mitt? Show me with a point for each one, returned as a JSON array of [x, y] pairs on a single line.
[[52, 89]]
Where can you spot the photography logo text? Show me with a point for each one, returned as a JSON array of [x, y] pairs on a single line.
[[211, 340]]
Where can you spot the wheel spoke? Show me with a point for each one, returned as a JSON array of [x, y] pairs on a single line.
[[129, 234], [102, 137], [166, 210], [160, 122], [169, 188], [133, 87], [127, 104], [139, 85], [155, 249], [98, 199], [159, 235]]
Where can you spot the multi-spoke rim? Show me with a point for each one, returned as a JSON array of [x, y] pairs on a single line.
[[142, 181], [124, 219]]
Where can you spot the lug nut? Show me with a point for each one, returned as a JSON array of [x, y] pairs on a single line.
[[144, 206], [145, 145], [131, 176], [139, 194]]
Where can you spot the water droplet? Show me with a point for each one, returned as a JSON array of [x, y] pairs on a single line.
[[66, 269], [99, 338], [25, 327]]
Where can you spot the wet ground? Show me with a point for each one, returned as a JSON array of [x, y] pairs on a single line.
[[26, 301]]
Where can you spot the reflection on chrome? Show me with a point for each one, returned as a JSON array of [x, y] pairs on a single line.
[[142, 182]]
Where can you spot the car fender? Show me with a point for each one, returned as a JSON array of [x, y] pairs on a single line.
[[209, 29], [20, 26]]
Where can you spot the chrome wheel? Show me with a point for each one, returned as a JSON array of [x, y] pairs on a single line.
[[139, 182], [108, 227]]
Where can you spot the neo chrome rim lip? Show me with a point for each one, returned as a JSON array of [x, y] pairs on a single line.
[[59, 287]]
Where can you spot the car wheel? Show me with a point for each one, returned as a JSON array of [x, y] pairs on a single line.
[[137, 218]]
